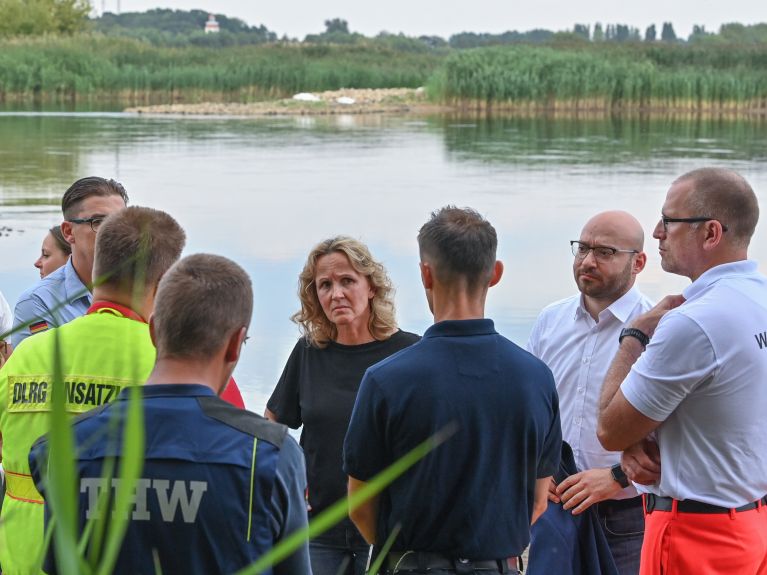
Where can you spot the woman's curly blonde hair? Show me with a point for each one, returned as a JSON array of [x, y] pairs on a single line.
[[314, 324]]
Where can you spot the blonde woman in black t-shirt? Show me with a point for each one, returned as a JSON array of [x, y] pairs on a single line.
[[348, 323]]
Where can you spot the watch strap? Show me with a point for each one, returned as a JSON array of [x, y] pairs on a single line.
[[643, 338]]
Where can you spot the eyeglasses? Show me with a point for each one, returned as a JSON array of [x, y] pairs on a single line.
[[95, 221], [602, 254], [666, 221]]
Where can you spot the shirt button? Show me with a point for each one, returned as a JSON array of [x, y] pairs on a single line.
[[577, 421], [585, 360], [580, 390]]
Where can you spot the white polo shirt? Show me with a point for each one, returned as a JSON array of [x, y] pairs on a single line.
[[578, 350], [704, 375]]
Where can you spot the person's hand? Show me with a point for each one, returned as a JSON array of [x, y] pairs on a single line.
[[648, 321], [553, 497], [581, 490], [641, 462]]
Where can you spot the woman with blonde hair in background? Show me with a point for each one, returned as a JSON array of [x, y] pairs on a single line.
[[348, 323]]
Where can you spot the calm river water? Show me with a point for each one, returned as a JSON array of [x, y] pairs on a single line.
[[263, 191]]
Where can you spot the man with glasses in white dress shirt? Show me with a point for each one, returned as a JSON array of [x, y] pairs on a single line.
[[577, 338]]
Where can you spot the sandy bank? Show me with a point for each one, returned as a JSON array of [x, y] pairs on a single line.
[[351, 101], [411, 100]]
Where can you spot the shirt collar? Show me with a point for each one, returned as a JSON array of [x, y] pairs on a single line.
[[110, 307], [713, 275], [461, 327], [170, 390], [74, 289], [621, 308]]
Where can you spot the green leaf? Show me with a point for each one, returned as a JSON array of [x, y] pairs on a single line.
[[131, 466], [339, 510], [61, 489]]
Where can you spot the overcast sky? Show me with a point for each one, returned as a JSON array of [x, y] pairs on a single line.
[[441, 18]]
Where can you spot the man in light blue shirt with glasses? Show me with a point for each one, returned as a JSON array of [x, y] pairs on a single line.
[[65, 294]]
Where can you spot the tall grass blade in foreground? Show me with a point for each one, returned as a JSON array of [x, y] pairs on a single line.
[[339, 510], [62, 490], [131, 465], [378, 563], [131, 460]]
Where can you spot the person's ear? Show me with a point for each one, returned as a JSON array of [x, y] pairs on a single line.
[[151, 331], [234, 345], [714, 234], [497, 273], [66, 231], [427, 277], [639, 263]]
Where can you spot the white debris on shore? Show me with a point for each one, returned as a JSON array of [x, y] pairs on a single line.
[[306, 97], [346, 101]]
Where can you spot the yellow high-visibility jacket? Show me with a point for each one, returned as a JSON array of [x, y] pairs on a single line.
[[100, 354]]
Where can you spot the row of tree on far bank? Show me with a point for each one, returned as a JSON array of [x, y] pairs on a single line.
[[185, 27], [174, 26]]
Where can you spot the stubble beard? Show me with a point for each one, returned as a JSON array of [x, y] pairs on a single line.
[[611, 288]]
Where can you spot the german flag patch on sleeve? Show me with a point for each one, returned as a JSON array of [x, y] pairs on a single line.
[[38, 326]]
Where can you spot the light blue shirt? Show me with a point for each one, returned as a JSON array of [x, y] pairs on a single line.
[[56, 299]]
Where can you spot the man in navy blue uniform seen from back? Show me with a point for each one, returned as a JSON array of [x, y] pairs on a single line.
[[220, 486], [468, 505]]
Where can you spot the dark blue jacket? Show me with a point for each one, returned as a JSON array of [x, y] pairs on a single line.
[[219, 487], [566, 544]]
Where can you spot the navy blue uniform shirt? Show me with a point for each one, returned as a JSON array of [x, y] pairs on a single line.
[[220, 485], [473, 495]]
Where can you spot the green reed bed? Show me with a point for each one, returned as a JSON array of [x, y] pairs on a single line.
[[97, 66], [610, 78], [582, 76]]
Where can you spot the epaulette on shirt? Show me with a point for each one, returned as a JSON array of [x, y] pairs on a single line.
[[243, 420]]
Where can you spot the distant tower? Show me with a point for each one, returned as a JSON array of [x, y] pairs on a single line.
[[211, 26]]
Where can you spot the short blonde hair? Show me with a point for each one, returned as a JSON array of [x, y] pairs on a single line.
[[314, 324]]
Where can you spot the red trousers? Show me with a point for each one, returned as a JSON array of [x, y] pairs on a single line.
[[705, 544]]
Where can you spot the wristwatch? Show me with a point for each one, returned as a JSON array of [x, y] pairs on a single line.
[[634, 332], [617, 472]]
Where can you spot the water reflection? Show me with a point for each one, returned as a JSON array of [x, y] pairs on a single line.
[[613, 140], [262, 191]]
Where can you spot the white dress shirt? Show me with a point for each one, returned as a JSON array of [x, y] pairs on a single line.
[[579, 350]]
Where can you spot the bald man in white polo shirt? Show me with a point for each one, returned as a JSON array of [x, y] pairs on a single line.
[[701, 385], [577, 338]]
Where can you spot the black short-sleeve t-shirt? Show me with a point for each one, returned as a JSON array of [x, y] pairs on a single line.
[[317, 389]]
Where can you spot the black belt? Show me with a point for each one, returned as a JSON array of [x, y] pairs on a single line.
[[620, 504], [425, 560], [654, 502]]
